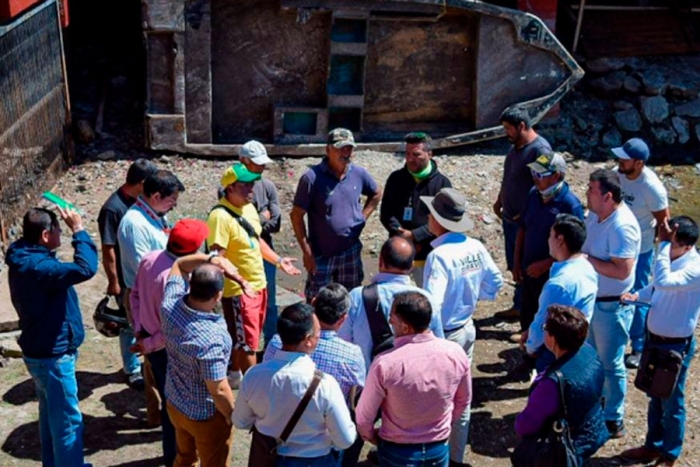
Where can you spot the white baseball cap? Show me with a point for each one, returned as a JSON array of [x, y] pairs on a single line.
[[254, 151]]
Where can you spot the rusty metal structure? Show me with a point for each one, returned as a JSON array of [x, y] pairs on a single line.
[[33, 108], [286, 71]]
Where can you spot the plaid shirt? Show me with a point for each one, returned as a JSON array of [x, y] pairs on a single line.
[[333, 355], [199, 349]]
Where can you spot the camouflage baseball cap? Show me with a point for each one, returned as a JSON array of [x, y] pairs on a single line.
[[548, 163], [341, 137]]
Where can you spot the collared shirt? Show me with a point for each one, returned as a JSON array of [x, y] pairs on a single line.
[[574, 283], [333, 206], [422, 385], [675, 301], [199, 349], [271, 391], [241, 249], [355, 329], [42, 293], [645, 195], [335, 356], [458, 273], [538, 217], [141, 231], [147, 297], [617, 236], [111, 214]]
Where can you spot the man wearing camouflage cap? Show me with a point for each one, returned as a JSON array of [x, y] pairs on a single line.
[[329, 193], [549, 197]]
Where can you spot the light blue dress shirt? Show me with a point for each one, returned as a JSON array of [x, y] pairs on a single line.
[[574, 283], [355, 329]]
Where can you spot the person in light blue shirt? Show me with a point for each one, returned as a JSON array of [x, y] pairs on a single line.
[[572, 282], [395, 263], [458, 273]]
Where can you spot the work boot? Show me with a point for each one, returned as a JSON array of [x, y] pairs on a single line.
[[616, 429], [642, 455], [633, 359]]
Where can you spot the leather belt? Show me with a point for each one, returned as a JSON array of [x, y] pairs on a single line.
[[667, 340], [614, 298]]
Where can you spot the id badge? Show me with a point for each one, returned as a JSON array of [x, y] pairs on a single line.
[[407, 213]]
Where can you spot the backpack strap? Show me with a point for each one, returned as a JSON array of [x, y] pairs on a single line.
[[318, 376], [378, 324], [249, 229]]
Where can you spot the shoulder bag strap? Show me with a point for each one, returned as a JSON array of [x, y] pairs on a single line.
[[318, 375], [560, 379], [378, 325], [249, 229]]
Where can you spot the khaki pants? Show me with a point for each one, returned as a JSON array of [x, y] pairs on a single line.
[[152, 397], [208, 441]]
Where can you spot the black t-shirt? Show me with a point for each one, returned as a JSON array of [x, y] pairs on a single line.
[[108, 221]]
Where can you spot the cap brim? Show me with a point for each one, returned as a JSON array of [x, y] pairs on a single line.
[[538, 168], [620, 153], [461, 226], [261, 159], [249, 178], [342, 144]]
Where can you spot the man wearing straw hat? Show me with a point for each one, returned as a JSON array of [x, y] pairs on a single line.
[[458, 273]]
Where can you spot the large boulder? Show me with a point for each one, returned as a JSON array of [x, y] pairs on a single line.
[[628, 120], [632, 85], [654, 81], [608, 86], [663, 135], [612, 138], [604, 65], [689, 109], [683, 90], [682, 129], [697, 132], [654, 109]]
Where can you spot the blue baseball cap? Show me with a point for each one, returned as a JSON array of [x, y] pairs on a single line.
[[633, 149]]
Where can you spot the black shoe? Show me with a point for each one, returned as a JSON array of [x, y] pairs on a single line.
[[135, 381], [632, 360], [373, 457], [616, 429]]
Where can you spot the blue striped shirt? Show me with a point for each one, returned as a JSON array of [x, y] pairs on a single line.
[[199, 349], [333, 355]]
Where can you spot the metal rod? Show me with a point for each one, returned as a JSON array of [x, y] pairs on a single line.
[[579, 22], [626, 8]]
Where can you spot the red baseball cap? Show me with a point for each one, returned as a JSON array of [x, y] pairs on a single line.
[[187, 236]]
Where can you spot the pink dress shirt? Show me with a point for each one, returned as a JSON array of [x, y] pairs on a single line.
[[421, 385], [147, 296]]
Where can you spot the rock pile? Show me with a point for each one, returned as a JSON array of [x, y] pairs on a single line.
[[623, 98]]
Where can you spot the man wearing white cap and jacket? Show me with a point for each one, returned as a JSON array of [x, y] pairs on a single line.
[[265, 199], [458, 273]]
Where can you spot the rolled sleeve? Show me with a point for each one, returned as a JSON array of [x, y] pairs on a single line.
[[337, 417], [213, 363]]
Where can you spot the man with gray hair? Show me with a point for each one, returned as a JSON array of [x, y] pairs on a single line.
[[266, 201]]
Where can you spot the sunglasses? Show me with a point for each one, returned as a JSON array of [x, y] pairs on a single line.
[[540, 176]]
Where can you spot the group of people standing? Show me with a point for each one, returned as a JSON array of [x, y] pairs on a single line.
[[398, 349]]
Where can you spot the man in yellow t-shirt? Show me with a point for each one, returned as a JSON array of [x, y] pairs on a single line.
[[234, 232]]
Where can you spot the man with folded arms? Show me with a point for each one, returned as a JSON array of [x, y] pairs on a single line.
[[675, 307], [612, 247], [422, 386]]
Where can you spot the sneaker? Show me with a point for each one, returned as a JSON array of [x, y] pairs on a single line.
[[616, 429], [633, 359], [234, 378], [640, 455], [511, 314], [135, 381]]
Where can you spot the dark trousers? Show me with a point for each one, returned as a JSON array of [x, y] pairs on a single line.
[[159, 365], [530, 302]]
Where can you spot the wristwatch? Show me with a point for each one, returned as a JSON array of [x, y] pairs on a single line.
[[279, 262], [212, 255]]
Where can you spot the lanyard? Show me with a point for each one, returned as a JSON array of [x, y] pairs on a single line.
[[146, 209]]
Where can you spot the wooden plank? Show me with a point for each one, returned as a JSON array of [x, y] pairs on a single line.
[[197, 52], [346, 101], [429, 7], [163, 15], [348, 48]]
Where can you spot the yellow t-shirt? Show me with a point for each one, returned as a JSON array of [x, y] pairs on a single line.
[[241, 249]]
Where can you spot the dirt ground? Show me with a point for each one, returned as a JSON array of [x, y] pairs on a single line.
[[115, 431]]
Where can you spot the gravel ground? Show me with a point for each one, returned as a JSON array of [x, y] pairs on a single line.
[[115, 432]]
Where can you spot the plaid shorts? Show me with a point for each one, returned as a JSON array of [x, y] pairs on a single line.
[[345, 269]]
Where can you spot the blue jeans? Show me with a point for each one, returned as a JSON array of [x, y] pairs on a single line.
[[459, 436], [159, 365], [60, 420], [642, 275], [510, 233], [130, 361], [270, 326], [666, 418], [413, 455], [328, 460], [608, 334]]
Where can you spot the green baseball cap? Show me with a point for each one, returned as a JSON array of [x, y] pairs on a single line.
[[341, 137], [238, 173]]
